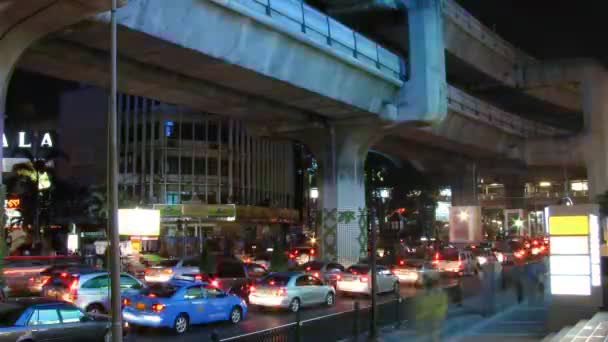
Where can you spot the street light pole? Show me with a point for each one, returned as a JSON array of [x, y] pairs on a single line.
[[116, 309], [374, 317]]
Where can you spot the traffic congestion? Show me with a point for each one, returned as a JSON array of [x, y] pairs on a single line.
[[174, 295]]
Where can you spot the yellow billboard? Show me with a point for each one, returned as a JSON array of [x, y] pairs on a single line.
[[569, 225]]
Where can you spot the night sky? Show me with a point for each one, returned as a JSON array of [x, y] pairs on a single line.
[[548, 29]]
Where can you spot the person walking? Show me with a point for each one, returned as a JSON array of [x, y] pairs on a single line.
[[431, 308]]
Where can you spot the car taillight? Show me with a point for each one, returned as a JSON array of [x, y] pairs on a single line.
[[147, 271], [363, 279], [401, 262], [215, 283], [291, 256], [126, 302], [281, 292], [45, 280], [157, 307], [63, 274], [316, 274], [198, 277], [312, 251], [167, 271], [459, 263], [74, 289], [307, 268], [339, 276], [251, 289]]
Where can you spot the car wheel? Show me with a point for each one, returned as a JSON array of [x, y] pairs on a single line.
[[294, 306], [236, 315], [181, 323], [96, 309], [330, 299]]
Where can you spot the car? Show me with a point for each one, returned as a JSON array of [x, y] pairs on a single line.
[[415, 272], [168, 269], [453, 261], [292, 291], [36, 282], [302, 254], [89, 291], [357, 280], [20, 273], [236, 277], [329, 272], [179, 304], [41, 319]]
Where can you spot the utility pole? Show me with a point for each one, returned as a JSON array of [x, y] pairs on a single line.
[[374, 317], [116, 309]]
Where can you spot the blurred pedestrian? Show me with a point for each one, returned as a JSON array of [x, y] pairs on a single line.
[[431, 308]]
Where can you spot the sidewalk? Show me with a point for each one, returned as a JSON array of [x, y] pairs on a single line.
[[511, 321]]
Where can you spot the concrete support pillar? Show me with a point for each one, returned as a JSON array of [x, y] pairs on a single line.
[[595, 108], [464, 187], [424, 96], [341, 153]]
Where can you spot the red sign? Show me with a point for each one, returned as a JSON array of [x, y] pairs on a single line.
[[13, 203]]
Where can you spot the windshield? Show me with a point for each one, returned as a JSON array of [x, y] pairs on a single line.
[[160, 290], [169, 263], [358, 269], [276, 280], [9, 314]]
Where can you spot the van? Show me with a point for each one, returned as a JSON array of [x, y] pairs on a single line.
[[455, 261]]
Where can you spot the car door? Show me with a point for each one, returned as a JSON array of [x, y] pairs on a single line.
[[196, 305], [302, 290], [317, 289], [217, 301], [45, 325], [76, 325], [94, 290]]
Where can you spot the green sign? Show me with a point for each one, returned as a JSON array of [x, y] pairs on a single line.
[[169, 209], [224, 210]]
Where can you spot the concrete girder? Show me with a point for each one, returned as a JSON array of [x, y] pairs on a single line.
[[250, 55]]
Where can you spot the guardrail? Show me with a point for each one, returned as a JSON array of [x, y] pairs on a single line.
[[300, 18], [478, 110]]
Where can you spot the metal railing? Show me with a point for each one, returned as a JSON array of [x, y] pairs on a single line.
[[300, 18], [478, 110]]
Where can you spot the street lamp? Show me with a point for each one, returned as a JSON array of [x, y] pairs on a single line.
[[314, 193]]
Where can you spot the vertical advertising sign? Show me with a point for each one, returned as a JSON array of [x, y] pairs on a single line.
[[575, 250], [465, 224]]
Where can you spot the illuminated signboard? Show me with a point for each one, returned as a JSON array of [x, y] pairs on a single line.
[[23, 140], [575, 249], [13, 203], [139, 222]]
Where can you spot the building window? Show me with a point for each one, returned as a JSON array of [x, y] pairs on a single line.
[[212, 132], [199, 132], [172, 165], [186, 131], [224, 168], [212, 166], [172, 197], [186, 166], [199, 166]]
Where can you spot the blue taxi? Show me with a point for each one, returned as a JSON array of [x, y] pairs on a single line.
[[179, 303]]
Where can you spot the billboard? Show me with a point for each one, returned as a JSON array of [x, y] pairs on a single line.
[[140, 222], [465, 224]]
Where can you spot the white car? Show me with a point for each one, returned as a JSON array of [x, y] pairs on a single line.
[[171, 268], [454, 261], [89, 291], [357, 279], [416, 272]]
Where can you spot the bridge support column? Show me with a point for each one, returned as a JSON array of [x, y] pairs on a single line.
[[341, 152], [424, 96], [464, 187], [595, 108]]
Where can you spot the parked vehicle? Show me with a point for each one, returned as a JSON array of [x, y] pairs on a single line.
[[19, 272], [357, 279], [416, 271], [329, 272], [291, 290], [455, 262], [89, 291], [40, 319], [168, 269], [179, 304]]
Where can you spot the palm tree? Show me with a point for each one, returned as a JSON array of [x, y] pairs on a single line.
[[32, 180]]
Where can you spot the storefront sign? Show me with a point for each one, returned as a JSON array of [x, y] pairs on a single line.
[[98, 234], [24, 140], [13, 203], [224, 210], [169, 209]]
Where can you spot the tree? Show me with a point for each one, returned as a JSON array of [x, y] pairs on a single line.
[[278, 259], [97, 202], [207, 260]]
